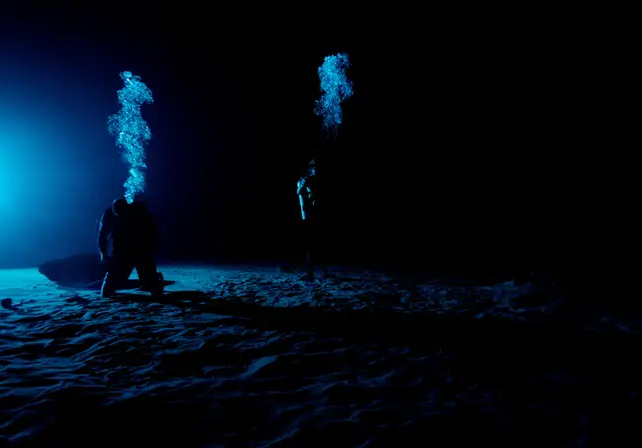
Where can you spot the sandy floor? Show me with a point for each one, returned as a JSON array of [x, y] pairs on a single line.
[[253, 357]]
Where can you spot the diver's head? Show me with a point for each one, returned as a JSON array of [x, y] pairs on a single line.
[[119, 206], [139, 202], [312, 167]]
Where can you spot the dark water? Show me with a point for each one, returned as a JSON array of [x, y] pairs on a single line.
[[109, 373]]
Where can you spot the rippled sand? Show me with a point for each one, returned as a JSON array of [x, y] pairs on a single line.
[[252, 357]]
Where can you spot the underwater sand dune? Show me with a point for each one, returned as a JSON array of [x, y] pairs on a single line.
[[249, 356]]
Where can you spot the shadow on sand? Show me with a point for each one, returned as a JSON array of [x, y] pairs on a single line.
[[506, 338], [82, 271], [502, 352], [74, 271]]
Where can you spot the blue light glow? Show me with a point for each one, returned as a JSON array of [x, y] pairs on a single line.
[[131, 131], [335, 88]]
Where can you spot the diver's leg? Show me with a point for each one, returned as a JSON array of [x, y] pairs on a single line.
[[148, 275], [117, 274], [308, 239], [310, 258], [323, 261], [322, 247], [109, 284]]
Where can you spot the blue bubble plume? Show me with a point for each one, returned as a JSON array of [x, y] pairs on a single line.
[[335, 88], [131, 131]]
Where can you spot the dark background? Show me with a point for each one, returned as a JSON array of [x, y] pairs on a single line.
[[469, 140]]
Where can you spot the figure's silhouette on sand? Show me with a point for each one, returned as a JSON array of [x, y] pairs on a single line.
[[127, 239], [311, 203]]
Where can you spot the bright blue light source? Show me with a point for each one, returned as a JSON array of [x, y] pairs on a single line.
[[131, 131], [335, 88]]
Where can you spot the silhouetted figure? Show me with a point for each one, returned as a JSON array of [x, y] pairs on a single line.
[[308, 191], [127, 239]]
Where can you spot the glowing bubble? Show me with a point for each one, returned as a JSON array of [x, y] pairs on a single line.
[[335, 88], [131, 131]]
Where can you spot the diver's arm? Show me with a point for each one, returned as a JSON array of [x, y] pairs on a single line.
[[102, 235], [300, 186]]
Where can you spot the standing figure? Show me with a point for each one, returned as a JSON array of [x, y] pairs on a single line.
[[127, 239], [307, 189]]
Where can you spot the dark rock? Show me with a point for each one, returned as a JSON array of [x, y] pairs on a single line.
[[74, 271]]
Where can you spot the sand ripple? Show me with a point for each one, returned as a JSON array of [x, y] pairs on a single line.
[[89, 372]]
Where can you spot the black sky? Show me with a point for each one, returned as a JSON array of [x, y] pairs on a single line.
[[458, 145]]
